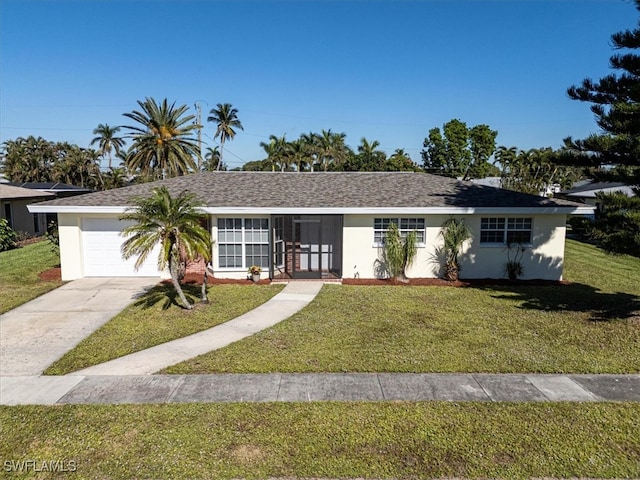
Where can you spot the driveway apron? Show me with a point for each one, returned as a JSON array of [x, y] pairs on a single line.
[[36, 334]]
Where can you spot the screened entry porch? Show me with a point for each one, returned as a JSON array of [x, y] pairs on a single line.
[[306, 246]]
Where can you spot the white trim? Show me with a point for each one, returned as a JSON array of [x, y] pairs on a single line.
[[405, 211], [38, 208]]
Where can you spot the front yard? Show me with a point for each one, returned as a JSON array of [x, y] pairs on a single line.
[[19, 270], [590, 326]]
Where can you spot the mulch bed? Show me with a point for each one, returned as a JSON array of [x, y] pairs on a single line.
[[50, 275], [196, 279], [445, 283]]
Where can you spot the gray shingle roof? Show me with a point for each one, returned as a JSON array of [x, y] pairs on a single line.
[[9, 192], [338, 190]]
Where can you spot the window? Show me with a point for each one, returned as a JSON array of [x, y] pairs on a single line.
[[243, 242], [7, 214], [405, 225], [505, 230]]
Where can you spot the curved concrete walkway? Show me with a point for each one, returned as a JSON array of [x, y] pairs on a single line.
[[294, 297]]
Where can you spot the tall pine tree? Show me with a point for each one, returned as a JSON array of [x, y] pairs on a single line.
[[616, 105]]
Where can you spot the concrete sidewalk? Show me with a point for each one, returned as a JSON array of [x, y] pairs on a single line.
[[34, 335], [302, 387]]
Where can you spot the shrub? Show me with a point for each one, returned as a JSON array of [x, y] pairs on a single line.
[[399, 253], [580, 225], [8, 237], [53, 236]]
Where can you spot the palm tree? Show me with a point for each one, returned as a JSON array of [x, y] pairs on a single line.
[[278, 152], [298, 154], [399, 253], [174, 223], [370, 159], [114, 178], [211, 159], [163, 145], [338, 150], [454, 233], [226, 118], [107, 140], [312, 148]]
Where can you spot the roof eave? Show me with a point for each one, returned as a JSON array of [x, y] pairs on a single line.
[[548, 210]]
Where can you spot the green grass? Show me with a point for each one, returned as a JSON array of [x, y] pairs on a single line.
[[592, 266], [19, 269], [156, 318], [591, 326], [333, 440]]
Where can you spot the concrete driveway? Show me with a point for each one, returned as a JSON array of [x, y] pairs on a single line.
[[36, 334]]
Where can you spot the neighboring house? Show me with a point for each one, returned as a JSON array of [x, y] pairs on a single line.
[[324, 225], [58, 189], [586, 192], [13, 208]]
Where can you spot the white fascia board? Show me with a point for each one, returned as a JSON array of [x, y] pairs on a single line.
[[246, 211], [564, 210], [39, 208]]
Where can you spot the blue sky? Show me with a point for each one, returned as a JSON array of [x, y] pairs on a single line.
[[387, 71]]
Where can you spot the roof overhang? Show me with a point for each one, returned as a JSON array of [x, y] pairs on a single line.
[[551, 210]]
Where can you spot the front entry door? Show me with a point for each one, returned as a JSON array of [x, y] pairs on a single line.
[[307, 258]]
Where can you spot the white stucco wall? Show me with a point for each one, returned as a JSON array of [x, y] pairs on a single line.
[[72, 257], [544, 261], [70, 246], [360, 255]]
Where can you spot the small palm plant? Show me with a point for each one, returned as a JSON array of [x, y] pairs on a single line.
[[454, 233], [514, 268], [399, 253], [174, 223]]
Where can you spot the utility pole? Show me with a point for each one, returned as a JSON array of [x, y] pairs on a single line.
[[199, 120]]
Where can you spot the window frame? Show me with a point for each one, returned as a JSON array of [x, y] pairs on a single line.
[[385, 222], [245, 236], [504, 226]]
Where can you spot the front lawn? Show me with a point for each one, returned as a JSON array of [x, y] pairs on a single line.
[[590, 326], [156, 319], [19, 269], [327, 440]]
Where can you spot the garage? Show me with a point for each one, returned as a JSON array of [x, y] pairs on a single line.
[[101, 257]]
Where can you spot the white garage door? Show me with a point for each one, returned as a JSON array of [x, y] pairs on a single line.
[[101, 242]]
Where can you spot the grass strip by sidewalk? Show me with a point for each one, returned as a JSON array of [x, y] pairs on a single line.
[[332, 440], [19, 269], [156, 319], [591, 326]]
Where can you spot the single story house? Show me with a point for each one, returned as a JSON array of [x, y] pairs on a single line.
[[586, 192], [57, 189], [324, 225], [13, 207]]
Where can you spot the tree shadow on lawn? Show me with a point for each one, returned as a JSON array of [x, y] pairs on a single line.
[[574, 297], [167, 294]]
